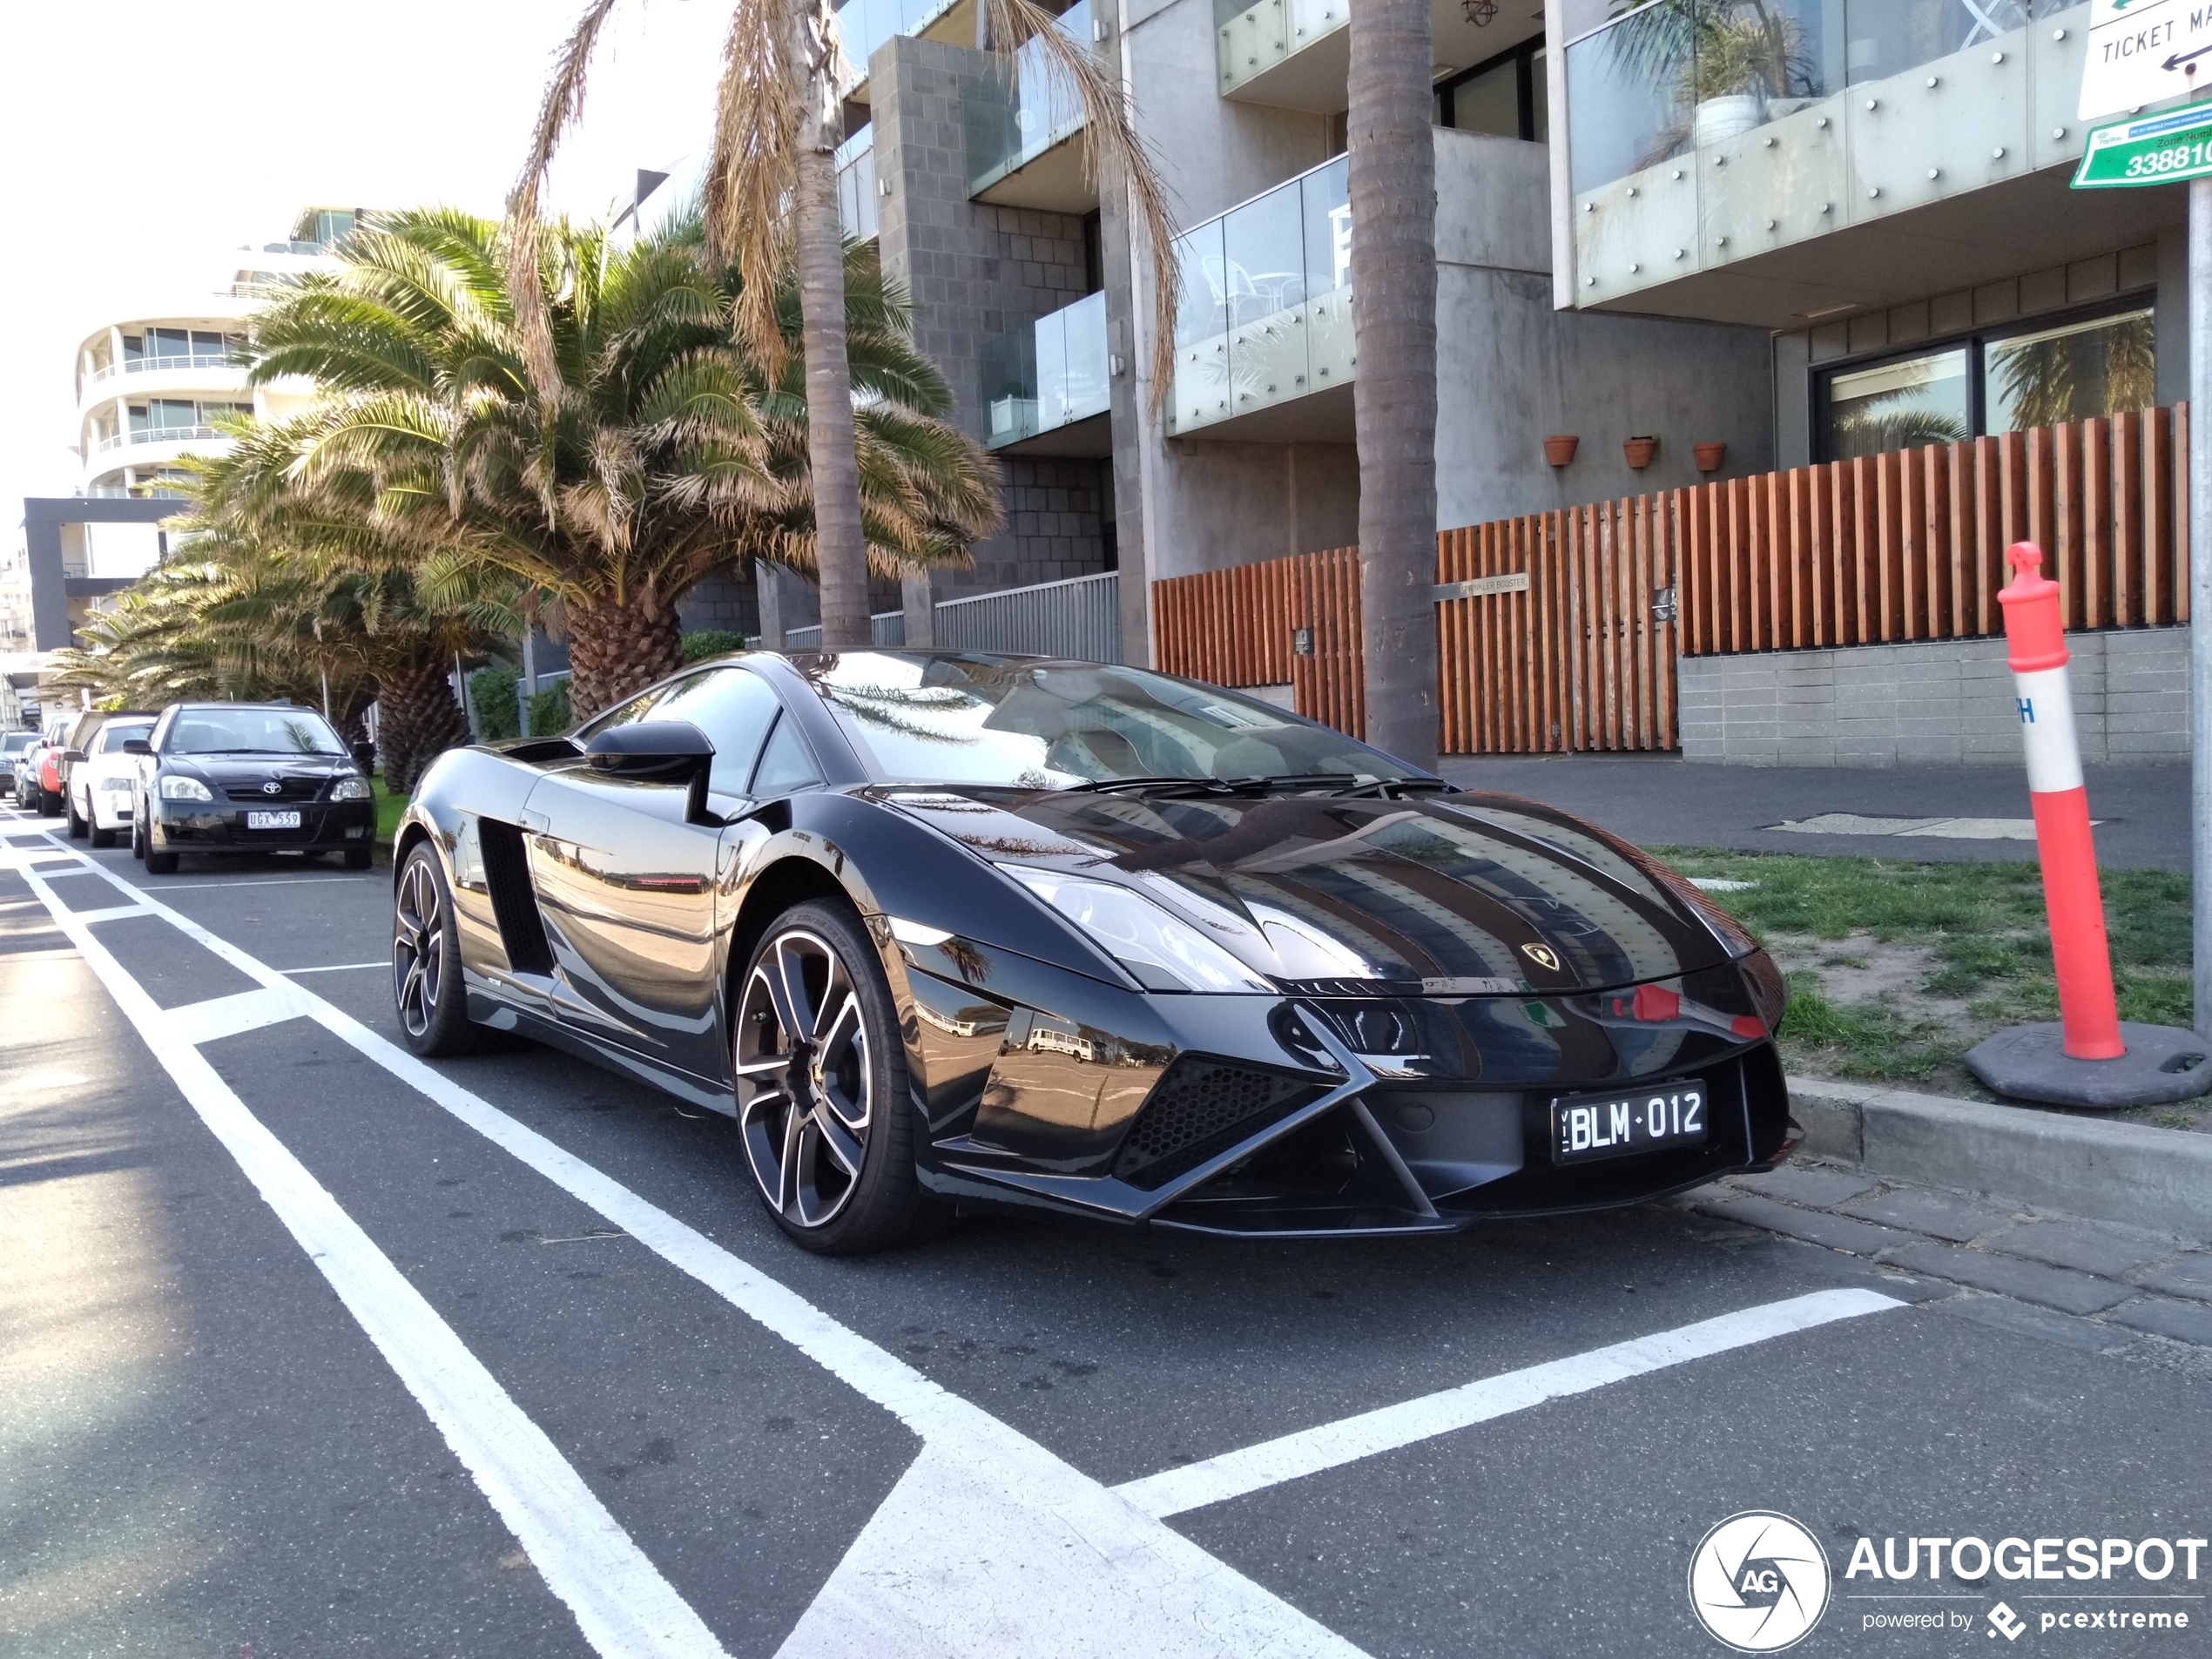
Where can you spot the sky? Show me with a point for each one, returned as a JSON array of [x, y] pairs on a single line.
[[141, 141]]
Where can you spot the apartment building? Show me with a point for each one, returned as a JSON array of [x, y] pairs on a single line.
[[155, 386], [976, 181]]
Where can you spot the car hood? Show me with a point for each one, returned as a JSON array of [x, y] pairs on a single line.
[[1466, 894], [247, 770]]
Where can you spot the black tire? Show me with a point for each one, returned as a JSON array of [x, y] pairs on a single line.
[[138, 836], [825, 1116], [358, 858], [428, 993], [160, 863], [48, 805], [103, 838], [79, 828]]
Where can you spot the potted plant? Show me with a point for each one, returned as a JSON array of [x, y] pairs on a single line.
[[1560, 448], [1709, 457], [1640, 451]]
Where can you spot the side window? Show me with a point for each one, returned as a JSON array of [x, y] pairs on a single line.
[[734, 708], [785, 764], [623, 714]]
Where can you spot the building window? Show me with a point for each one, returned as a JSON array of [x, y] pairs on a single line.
[[1504, 95], [2084, 366]]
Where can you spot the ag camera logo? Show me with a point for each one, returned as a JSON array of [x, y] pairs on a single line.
[[1759, 1582]]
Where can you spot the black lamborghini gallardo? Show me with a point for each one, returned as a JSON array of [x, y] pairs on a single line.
[[945, 931]]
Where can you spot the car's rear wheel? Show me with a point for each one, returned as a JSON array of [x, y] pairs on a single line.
[[821, 1086], [427, 989]]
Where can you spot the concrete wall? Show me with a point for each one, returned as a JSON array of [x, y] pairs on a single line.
[[1940, 703]]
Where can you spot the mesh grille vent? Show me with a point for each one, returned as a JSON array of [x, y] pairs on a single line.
[[1202, 1107]]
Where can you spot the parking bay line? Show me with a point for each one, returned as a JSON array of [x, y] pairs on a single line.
[[990, 1544], [622, 1605], [1331, 1445]]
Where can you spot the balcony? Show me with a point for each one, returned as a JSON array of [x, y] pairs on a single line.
[[856, 190], [1772, 161], [1046, 386], [1025, 126], [867, 23], [1262, 53], [159, 435], [168, 365], [1266, 313]]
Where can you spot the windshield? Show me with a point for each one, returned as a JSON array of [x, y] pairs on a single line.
[[1031, 724], [116, 733], [16, 742], [215, 732]]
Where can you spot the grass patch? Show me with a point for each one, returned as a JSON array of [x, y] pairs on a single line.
[[389, 808], [1971, 942]]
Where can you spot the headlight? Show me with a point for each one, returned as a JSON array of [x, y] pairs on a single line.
[[119, 785], [178, 788], [351, 789], [1134, 931]]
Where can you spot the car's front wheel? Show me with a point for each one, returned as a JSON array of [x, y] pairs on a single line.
[[78, 827], [427, 989], [821, 1086]]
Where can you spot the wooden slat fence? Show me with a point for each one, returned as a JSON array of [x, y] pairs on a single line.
[[1569, 643]]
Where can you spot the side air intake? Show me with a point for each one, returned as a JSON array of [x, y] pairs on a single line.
[[1200, 1108], [514, 902]]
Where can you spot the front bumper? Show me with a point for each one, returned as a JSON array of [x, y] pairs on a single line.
[[1256, 1115], [220, 826]]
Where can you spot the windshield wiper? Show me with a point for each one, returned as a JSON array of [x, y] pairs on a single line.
[[1393, 788], [1102, 785]]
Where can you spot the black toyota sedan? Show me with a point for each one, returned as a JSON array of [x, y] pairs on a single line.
[[947, 931], [248, 778]]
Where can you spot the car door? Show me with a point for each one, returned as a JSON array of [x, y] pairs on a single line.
[[628, 887]]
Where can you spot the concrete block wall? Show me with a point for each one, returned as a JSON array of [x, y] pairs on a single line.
[[1939, 703]]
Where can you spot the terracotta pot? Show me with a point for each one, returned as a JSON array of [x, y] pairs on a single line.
[[1559, 448], [1709, 457], [1640, 451]]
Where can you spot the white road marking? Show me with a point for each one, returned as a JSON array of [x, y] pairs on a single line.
[[334, 968], [227, 1016], [249, 882], [113, 912], [625, 1608], [1311, 1451], [990, 1545]]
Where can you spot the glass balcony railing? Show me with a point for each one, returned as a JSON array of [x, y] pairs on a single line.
[[866, 24], [1051, 374], [1266, 310], [1702, 132], [856, 191], [1014, 115], [164, 365], [158, 434], [1249, 39]]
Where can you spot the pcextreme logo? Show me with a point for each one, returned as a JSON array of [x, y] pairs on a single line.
[[1759, 1582]]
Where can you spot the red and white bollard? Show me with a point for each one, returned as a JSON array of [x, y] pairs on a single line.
[[2036, 642]]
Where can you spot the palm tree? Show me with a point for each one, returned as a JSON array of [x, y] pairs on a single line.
[[663, 453], [770, 203], [1393, 190]]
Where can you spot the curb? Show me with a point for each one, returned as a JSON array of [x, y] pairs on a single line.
[[2131, 1173]]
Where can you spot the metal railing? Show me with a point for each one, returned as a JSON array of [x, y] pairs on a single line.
[[1080, 617], [157, 434], [886, 628], [160, 364]]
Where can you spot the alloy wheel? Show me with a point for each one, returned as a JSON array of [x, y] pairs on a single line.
[[805, 1086], [418, 948]]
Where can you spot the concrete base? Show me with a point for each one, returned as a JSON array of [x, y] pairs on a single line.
[[2162, 1064], [2135, 1174]]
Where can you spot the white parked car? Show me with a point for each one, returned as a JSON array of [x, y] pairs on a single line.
[[102, 786]]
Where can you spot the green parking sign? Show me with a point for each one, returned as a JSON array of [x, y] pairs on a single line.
[[2150, 150]]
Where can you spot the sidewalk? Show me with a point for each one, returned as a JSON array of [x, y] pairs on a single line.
[[1662, 801]]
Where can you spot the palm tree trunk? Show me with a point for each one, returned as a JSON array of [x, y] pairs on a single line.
[[616, 650], [840, 546], [417, 720], [1393, 186]]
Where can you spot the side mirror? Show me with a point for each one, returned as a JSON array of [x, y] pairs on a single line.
[[71, 756], [136, 746], [365, 758], [670, 751]]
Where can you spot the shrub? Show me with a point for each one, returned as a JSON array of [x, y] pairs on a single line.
[[491, 695], [711, 642], [549, 710]]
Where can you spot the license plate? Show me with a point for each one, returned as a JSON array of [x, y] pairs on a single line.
[[272, 821], [1587, 1127]]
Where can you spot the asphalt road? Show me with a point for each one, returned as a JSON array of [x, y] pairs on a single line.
[[305, 1350]]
